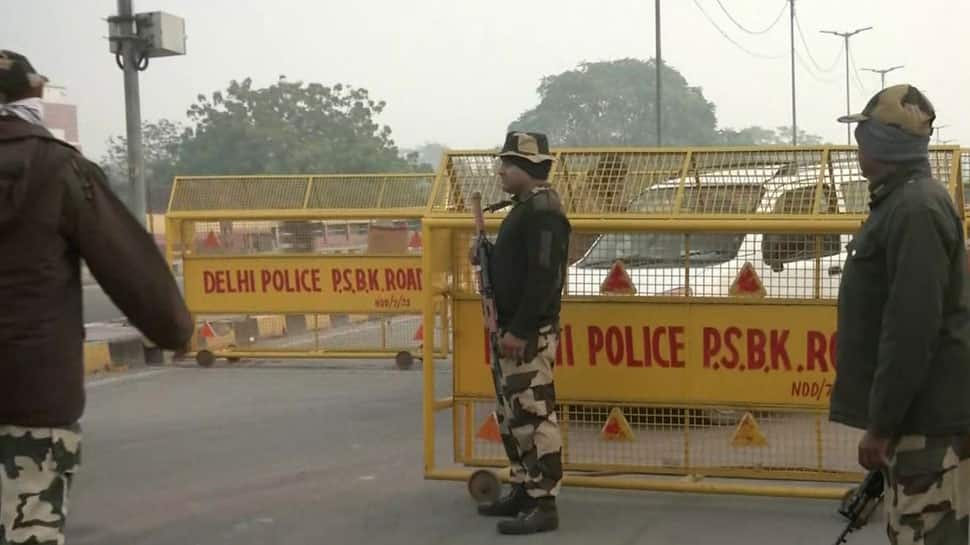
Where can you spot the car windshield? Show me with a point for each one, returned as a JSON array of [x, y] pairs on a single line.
[[656, 250]]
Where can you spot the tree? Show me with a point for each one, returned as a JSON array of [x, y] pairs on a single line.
[[613, 104], [289, 128], [161, 145], [759, 136]]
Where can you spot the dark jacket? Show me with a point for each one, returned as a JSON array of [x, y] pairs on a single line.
[[528, 264], [904, 314], [56, 209]]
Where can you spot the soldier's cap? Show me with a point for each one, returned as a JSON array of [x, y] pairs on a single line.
[[531, 146], [901, 106], [17, 74]]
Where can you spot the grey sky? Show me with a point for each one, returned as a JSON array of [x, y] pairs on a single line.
[[458, 72]]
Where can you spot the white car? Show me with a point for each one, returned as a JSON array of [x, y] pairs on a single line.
[[657, 262]]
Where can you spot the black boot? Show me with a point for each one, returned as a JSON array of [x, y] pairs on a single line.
[[543, 517], [509, 505]]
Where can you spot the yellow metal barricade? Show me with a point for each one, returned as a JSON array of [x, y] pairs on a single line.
[[698, 327], [302, 266]]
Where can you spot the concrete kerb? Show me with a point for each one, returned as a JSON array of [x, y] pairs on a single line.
[[112, 347]]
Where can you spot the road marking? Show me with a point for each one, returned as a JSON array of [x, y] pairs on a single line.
[[125, 378]]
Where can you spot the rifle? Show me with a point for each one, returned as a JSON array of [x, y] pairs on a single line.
[[485, 288], [860, 503]]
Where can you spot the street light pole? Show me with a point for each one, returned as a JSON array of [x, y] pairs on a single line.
[[882, 73], [658, 60], [938, 129], [794, 116], [848, 106]]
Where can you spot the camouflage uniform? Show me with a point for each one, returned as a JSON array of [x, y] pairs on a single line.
[[38, 465], [527, 418], [928, 481]]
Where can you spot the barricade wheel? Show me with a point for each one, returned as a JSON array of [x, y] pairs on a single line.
[[232, 359], [484, 486], [205, 358], [404, 360]]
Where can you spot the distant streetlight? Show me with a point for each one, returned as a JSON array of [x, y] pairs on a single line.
[[882, 73], [848, 107]]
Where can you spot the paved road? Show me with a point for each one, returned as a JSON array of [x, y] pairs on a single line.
[[314, 454], [98, 307]]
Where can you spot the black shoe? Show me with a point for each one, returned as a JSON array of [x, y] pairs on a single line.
[[509, 505], [542, 518]]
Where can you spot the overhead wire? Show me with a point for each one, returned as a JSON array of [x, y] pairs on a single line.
[[774, 23], [808, 69], [729, 38], [808, 51], [862, 86]]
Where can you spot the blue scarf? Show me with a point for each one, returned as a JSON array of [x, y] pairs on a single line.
[[890, 144]]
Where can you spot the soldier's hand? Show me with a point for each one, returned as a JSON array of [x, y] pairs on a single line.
[[512, 346], [874, 451]]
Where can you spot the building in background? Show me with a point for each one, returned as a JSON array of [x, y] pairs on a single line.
[[60, 115]]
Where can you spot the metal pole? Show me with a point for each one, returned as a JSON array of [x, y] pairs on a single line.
[[848, 101], [794, 116], [136, 170], [659, 62], [848, 106]]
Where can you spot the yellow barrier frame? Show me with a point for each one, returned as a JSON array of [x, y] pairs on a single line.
[[446, 215]]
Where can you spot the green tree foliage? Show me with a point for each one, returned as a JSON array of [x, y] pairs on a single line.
[[760, 136], [161, 142], [288, 128], [613, 103]]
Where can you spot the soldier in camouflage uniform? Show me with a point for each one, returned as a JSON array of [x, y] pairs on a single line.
[[56, 209], [904, 328], [528, 269]]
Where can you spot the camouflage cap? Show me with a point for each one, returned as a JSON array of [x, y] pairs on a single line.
[[531, 146], [17, 74], [902, 106]]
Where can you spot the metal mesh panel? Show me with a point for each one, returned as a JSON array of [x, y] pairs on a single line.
[[244, 193], [672, 440], [610, 182], [321, 237], [316, 332], [790, 266], [350, 192], [699, 182]]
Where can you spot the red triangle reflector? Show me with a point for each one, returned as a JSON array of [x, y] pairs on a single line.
[[489, 430], [212, 241], [415, 243], [747, 283], [207, 331], [617, 281]]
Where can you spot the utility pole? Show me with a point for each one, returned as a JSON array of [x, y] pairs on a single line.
[[133, 40], [848, 106], [129, 60], [794, 116], [658, 60], [938, 129], [882, 73]]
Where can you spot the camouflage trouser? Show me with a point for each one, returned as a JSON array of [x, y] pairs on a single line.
[[928, 491], [38, 465], [527, 418]]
